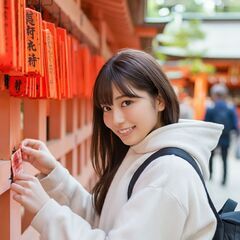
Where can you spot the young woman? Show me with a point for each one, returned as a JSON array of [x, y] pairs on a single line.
[[135, 113]]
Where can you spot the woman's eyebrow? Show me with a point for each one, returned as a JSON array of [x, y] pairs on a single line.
[[127, 96]]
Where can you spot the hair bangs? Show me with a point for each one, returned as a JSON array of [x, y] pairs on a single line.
[[125, 87], [104, 91], [103, 94]]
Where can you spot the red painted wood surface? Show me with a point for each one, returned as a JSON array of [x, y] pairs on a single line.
[[64, 125]]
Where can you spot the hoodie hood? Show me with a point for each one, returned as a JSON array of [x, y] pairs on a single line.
[[198, 138]]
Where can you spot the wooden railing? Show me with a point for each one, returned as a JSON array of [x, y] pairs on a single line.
[[64, 125]]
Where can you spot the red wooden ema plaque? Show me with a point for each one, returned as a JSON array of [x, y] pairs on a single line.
[[16, 163]]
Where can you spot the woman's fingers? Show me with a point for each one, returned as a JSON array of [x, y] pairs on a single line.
[[33, 143], [29, 192], [18, 198], [18, 188], [21, 186], [20, 193], [29, 153], [24, 183], [23, 176], [40, 157]]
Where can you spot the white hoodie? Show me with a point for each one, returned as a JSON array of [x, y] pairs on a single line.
[[168, 200]]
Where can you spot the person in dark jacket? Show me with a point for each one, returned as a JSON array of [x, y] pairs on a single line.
[[224, 113]]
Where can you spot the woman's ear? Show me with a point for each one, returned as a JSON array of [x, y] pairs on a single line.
[[160, 104]]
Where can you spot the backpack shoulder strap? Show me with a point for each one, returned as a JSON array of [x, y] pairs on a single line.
[[180, 153], [229, 206]]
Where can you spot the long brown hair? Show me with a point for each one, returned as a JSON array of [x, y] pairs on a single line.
[[125, 69]]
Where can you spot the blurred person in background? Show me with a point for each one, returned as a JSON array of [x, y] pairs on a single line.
[[185, 103], [186, 109], [224, 113]]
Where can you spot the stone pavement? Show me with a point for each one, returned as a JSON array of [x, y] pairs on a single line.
[[219, 193]]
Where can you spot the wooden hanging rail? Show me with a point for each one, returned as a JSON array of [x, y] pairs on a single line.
[[80, 24]]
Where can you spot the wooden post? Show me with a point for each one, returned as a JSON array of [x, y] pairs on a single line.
[[200, 93], [83, 123], [57, 122], [10, 227], [35, 119], [57, 119], [72, 120]]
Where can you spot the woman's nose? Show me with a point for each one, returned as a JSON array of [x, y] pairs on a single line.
[[118, 116]]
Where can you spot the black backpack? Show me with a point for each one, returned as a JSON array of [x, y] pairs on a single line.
[[228, 220]]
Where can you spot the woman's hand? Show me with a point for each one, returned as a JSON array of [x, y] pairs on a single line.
[[29, 192], [37, 153]]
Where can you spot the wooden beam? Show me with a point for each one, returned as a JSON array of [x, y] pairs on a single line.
[[72, 11], [60, 147]]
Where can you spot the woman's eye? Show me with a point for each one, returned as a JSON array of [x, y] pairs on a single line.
[[106, 108], [126, 103]]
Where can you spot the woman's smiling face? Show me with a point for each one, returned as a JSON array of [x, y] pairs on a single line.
[[132, 118]]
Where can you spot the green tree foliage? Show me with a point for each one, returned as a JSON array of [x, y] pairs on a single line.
[[179, 35]]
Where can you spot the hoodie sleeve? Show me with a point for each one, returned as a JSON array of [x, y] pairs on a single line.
[[66, 190], [140, 218]]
